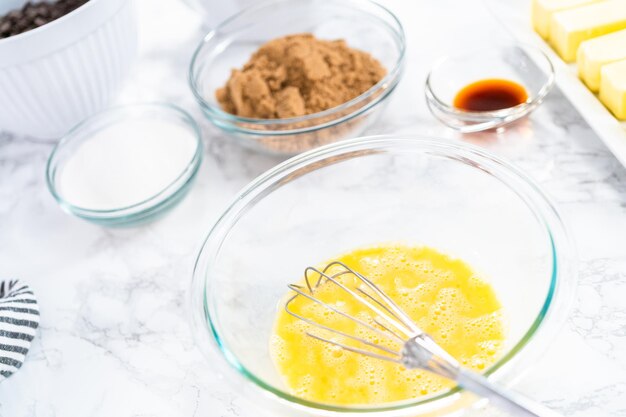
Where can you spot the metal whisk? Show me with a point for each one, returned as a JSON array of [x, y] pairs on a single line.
[[416, 349]]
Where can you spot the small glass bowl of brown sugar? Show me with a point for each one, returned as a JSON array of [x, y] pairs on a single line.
[[286, 76], [489, 87]]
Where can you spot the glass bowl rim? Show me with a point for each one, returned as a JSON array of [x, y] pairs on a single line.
[[388, 82], [120, 113], [519, 109], [557, 297]]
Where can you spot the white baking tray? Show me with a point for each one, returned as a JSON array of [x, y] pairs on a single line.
[[515, 17]]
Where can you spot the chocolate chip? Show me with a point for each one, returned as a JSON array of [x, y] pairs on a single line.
[[43, 11], [30, 13], [14, 15]]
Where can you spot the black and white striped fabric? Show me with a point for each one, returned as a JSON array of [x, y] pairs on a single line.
[[19, 319]]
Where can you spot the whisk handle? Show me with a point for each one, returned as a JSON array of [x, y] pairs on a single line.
[[509, 401]]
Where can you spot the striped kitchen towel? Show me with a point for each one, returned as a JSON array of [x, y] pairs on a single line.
[[19, 319]]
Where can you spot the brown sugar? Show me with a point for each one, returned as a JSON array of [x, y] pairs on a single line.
[[297, 75]]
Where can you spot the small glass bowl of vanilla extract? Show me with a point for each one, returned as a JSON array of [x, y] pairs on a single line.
[[489, 87]]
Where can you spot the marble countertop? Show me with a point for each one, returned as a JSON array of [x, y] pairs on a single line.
[[115, 339]]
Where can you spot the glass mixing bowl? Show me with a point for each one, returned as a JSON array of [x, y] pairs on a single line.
[[452, 197], [364, 25], [525, 65], [142, 210]]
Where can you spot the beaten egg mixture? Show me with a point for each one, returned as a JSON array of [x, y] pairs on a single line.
[[442, 295]]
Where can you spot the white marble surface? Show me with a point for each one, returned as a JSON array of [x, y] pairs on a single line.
[[114, 337]]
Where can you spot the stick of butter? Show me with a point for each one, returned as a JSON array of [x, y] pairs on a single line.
[[613, 88], [542, 10], [596, 52], [569, 28]]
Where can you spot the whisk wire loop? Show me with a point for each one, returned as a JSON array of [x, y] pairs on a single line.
[[364, 301], [418, 349], [399, 313], [389, 322], [300, 292]]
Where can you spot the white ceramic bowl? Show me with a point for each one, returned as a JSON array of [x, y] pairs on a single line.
[[54, 76]]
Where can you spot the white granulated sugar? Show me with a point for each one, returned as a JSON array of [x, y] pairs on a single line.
[[126, 164]]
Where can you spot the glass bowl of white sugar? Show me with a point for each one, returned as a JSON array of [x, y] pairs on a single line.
[[125, 165]]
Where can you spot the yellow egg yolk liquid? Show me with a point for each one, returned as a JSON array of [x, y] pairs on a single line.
[[442, 295]]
